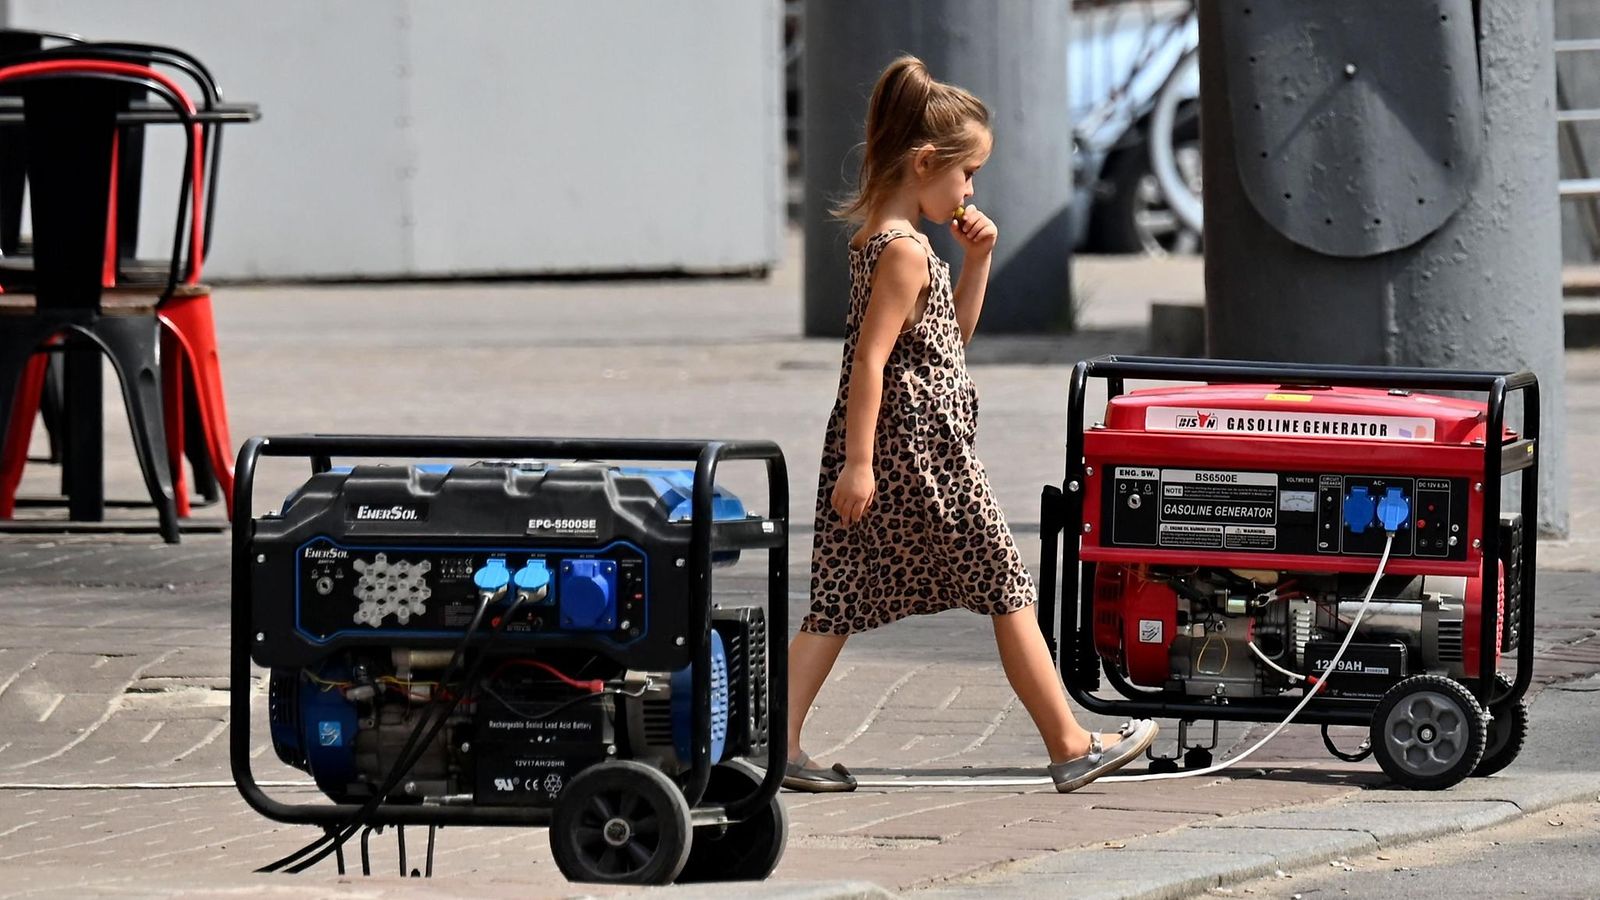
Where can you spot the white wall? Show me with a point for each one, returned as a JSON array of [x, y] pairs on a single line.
[[424, 137]]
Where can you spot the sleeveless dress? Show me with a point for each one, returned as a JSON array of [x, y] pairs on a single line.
[[934, 538]]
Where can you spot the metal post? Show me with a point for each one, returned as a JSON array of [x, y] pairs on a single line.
[[1013, 56], [1381, 188]]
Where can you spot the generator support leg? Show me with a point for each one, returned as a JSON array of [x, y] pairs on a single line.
[[427, 870], [338, 848], [366, 848], [400, 835]]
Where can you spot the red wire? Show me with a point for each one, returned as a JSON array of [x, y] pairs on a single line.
[[593, 687]]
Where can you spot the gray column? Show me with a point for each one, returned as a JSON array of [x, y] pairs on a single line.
[[1367, 201], [1013, 56]]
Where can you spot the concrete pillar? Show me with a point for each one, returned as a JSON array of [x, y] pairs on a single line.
[[1441, 244], [1013, 56]]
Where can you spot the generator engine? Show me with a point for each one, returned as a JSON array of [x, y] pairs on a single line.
[[524, 731], [369, 579], [1228, 633]]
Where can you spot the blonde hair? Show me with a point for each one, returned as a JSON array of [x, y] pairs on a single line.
[[908, 110]]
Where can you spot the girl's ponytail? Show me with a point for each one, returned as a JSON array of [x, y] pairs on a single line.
[[909, 109]]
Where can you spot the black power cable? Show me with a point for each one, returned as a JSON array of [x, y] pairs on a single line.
[[414, 749], [333, 839]]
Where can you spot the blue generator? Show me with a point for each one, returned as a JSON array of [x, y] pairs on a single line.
[[530, 640]]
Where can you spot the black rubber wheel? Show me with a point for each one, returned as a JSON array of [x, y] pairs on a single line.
[[1163, 765], [621, 822], [1428, 732], [1508, 729], [1196, 758], [739, 851]]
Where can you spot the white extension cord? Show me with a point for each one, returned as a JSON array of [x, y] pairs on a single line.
[[979, 781]]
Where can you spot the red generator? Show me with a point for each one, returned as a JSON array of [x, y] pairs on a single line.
[[1223, 533]]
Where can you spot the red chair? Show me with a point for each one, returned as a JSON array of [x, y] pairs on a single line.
[[184, 315], [190, 333]]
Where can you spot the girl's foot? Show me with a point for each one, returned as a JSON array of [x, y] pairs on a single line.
[[804, 775], [1107, 753]]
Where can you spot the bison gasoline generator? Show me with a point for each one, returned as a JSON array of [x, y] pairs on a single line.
[[1220, 538], [519, 643]]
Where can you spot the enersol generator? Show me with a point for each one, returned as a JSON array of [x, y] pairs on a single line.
[[528, 639]]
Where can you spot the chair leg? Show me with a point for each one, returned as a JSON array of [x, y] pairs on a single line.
[[52, 405], [195, 446], [14, 455], [173, 417], [131, 341], [192, 319]]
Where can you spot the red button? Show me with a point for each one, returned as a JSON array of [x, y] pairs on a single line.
[[1422, 523]]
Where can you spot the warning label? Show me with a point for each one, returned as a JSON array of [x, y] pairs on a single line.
[[1201, 536], [1246, 537]]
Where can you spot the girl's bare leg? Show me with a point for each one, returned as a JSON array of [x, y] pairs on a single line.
[[1032, 673], [811, 658]]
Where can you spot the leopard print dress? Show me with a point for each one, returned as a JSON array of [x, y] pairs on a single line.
[[934, 538]]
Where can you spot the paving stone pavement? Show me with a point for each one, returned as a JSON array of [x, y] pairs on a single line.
[[113, 650]]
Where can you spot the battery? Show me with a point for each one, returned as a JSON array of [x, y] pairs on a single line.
[[1365, 670], [526, 747]]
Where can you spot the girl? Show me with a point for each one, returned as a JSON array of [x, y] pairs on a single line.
[[906, 523]]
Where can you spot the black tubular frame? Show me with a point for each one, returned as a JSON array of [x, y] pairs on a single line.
[[1063, 512], [707, 455]]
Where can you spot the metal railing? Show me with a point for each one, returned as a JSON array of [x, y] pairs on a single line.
[[1584, 185]]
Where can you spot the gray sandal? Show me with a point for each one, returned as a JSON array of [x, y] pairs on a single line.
[[801, 775], [1101, 760]]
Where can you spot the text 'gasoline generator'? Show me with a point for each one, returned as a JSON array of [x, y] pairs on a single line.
[[1225, 542], [519, 643]]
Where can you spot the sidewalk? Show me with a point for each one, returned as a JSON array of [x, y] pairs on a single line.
[[113, 653]]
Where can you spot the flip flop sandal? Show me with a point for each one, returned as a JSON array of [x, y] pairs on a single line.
[[1102, 760], [801, 775]]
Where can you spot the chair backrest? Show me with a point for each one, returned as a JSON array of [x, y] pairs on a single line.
[[14, 149], [70, 108], [130, 155]]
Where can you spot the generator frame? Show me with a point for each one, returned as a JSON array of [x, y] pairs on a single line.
[[705, 539], [1062, 510]]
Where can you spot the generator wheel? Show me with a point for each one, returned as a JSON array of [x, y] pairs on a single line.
[[621, 822], [1197, 758], [1428, 732], [738, 851], [1508, 728]]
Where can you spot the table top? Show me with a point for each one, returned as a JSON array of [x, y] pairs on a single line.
[[147, 113]]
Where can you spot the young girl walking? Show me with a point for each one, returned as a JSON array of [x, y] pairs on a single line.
[[906, 523]]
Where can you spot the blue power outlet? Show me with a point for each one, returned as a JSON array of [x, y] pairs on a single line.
[[1359, 507], [1394, 508]]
